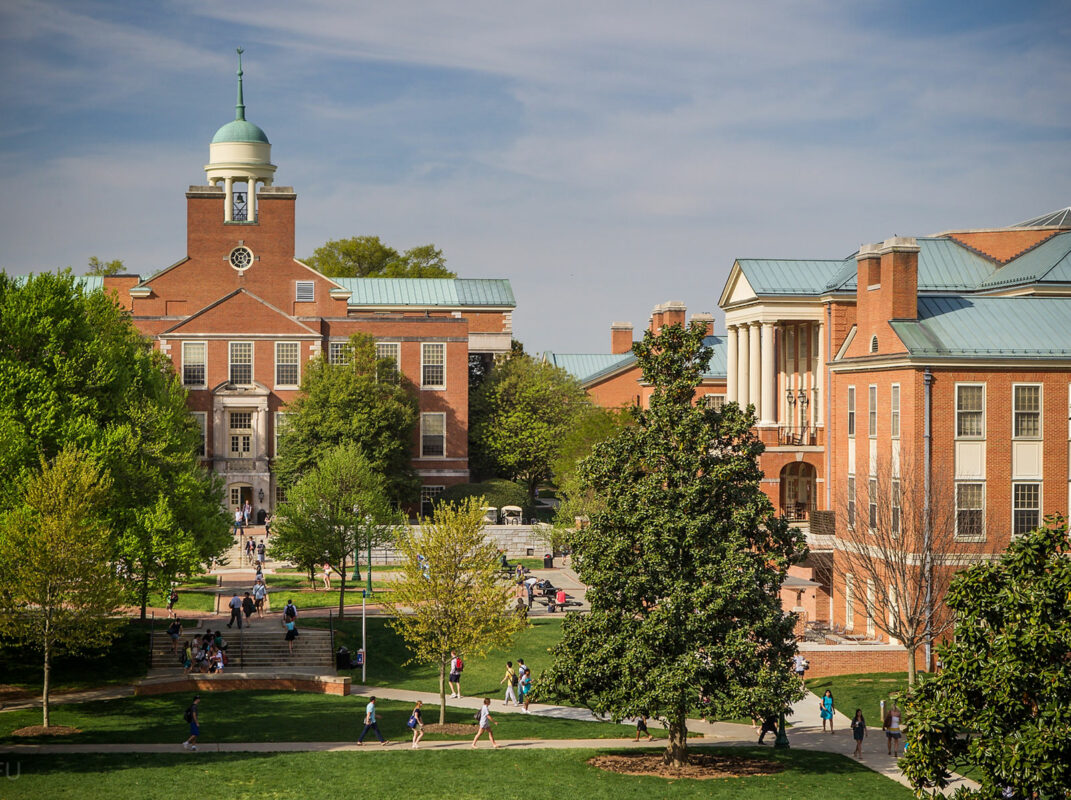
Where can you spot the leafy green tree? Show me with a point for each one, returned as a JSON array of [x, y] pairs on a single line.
[[518, 417], [58, 584], [368, 257], [683, 564], [352, 403], [459, 603], [333, 512], [1001, 705], [98, 267], [74, 372], [591, 426], [495, 492]]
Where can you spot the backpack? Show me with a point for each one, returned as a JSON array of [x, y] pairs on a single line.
[[412, 721], [513, 680], [459, 665], [188, 714]]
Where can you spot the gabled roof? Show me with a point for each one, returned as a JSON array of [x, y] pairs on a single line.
[[443, 292], [229, 315], [590, 367], [988, 327], [768, 276], [1049, 262]]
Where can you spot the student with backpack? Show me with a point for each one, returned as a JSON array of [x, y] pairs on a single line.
[[195, 730], [416, 723], [456, 667], [510, 679]]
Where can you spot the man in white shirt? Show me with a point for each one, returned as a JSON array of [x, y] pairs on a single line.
[[236, 610]]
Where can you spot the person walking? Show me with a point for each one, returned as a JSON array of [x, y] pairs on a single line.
[[291, 632], [370, 723], [247, 512], [260, 595], [799, 665], [172, 598], [236, 611], [825, 710], [174, 630], [239, 518], [248, 607], [510, 679], [416, 722], [456, 666], [858, 732], [641, 729], [769, 725], [290, 611], [260, 553], [267, 525], [195, 728], [485, 723], [891, 726], [250, 550], [327, 577]]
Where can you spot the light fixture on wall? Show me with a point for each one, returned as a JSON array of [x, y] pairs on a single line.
[[803, 399], [260, 495], [790, 396]]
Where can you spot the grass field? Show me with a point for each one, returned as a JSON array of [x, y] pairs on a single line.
[[864, 690], [424, 775], [245, 716], [387, 653]]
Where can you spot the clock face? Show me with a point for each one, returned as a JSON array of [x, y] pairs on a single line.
[[241, 258]]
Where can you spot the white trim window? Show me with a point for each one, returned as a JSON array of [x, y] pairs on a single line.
[[433, 365], [970, 511], [428, 497], [240, 363], [894, 410], [433, 434], [1026, 410], [715, 402], [240, 434], [339, 352], [872, 503], [287, 364], [849, 601], [851, 502], [389, 353], [851, 412], [872, 411], [194, 364], [894, 517], [870, 607], [202, 423], [970, 411], [277, 428], [1026, 507]]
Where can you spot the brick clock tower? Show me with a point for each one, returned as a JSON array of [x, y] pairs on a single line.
[[241, 317]]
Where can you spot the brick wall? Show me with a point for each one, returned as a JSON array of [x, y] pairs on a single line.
[[846, 659]]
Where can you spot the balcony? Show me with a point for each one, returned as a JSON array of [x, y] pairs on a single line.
[[796, 436]]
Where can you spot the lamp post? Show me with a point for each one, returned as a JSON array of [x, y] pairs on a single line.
[[356, 560]]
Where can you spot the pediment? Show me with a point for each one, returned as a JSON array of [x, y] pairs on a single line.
[[737, 289], [240, 313]]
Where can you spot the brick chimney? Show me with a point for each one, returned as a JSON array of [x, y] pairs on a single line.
[[673, 313], [656, 319], [887, 289], [620, 337], [706, 319]]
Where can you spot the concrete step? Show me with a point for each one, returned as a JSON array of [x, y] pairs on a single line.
[[262, 649]]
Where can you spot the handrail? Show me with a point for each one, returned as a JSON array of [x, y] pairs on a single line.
[[152, 636], [331, 626]]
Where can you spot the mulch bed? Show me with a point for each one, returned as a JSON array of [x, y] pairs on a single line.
[[700, 766], [452, 728], [51, 730]]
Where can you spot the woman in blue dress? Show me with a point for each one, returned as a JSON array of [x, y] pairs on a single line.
[[826, 710]]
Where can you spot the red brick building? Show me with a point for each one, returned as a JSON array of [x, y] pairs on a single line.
[[241, 317]]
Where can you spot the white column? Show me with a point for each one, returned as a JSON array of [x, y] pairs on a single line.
[[742, 384], [819, 375], [769, 376], [755, 369], [228, 202], [251, 199], [730, 366]]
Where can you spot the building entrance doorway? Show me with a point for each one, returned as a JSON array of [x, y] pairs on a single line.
[[239, 494], [798, 489]]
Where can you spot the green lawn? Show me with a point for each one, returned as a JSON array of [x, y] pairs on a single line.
[[425, 775], [864, 690], [388, 652], [244, 716], [188, 601], [124, 661]]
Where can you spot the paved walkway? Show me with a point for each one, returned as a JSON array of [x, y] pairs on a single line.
[[806, 733]]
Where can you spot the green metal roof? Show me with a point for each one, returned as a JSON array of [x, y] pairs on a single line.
[[988, 327], [588, 367], [447, 292], [1049, 262], [788, 276], [944, 265], [240, 130]]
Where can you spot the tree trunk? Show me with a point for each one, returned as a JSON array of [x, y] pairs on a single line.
[[47, 682], [442, 692], [144, 592], [912, 670], [342, 591], [677, 749]]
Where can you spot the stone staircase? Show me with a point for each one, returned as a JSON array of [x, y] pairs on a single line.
[[258, 648]]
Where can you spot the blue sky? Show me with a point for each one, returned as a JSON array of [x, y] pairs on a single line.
[[604, 156]]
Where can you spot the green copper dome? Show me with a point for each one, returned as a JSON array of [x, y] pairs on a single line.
[[240, 130]]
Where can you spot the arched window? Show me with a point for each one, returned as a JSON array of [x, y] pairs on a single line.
[[873, 344]]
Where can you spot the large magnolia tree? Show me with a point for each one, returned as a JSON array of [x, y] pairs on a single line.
[[683, 559]]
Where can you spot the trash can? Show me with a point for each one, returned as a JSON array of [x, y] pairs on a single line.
[[548, 561], [342, 658]]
